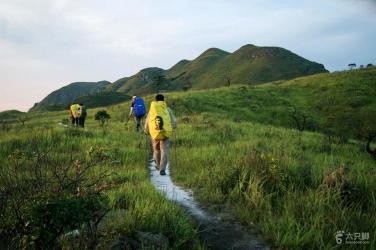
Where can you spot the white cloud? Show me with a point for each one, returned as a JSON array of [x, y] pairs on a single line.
[[56, 42]]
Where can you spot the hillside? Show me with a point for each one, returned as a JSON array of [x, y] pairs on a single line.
[[215, 68], [248, 65], [338, 102], [238, 148], [103, 98], [10, 115], [61, 98]]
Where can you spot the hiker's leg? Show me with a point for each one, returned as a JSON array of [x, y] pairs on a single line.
[[156, 151], [82, 122], [138, 123], [164, 153]]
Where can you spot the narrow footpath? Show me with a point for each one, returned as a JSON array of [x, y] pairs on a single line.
[[215, 232]]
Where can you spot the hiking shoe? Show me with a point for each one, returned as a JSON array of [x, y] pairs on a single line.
[[162, 172]]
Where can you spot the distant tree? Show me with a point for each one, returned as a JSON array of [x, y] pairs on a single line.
[[369, 65], [352, 65], [23, 119], [102, 117], [361, 66], [159, 82], [227, 77], [299, 119]]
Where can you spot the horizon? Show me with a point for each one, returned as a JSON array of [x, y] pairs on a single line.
[[55, 44]]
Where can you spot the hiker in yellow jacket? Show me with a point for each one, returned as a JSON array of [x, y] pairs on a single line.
[[159, 123], [74, 111]]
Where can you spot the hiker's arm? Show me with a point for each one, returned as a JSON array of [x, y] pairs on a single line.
[[172, 118], [146, 127]]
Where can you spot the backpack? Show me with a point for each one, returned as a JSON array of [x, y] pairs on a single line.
[[139, 109], [75, 110], [159, 121]]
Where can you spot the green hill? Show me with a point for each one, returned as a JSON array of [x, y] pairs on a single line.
[[236, 147], [214, 68], [248, 65], [339, 102], [142, 82], [103, 98], [61, 98], [10, 115]]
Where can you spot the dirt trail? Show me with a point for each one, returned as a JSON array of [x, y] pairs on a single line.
[[216, 232]]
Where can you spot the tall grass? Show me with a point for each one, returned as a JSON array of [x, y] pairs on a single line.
[[271, 177]]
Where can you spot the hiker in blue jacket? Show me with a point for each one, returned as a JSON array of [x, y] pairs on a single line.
[[138, 111]]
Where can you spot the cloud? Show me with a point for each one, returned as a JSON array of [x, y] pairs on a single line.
[[53, 43]]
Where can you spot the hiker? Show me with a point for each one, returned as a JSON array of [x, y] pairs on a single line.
[[71, 114], [83, 114], [74, 109], [138, 111], [159, 123]]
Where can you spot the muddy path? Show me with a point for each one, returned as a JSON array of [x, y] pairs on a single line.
[[217, 231]]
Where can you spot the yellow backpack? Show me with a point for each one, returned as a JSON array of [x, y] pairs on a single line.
[[159, 121], [75, 110]]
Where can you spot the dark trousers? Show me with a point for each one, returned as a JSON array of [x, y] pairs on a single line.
[[138, 120], [81, 121]]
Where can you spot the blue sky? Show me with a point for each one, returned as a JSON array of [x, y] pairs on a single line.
[[45, 44]]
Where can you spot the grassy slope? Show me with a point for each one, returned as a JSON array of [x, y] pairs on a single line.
[[146, 209], [61, 98], [248, 65], [232, 148], [271, 176]]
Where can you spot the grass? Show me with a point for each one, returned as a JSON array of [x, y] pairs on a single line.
[[272, 179], [145, 209], [237, 146]]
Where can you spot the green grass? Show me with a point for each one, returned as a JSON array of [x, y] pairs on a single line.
[[237, 146], [271, 178], [146, 210]]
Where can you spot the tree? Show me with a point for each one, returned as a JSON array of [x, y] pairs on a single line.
[[102, 117], [227, 77], [160, 83], [369, 65], [352, 65]]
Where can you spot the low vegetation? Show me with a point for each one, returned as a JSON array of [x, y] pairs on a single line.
[[288, 158]]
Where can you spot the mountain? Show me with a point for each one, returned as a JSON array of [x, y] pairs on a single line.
[[61, 98], [140, 83], [213, 68]]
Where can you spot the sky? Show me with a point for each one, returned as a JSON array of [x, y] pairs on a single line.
[[45, 45]]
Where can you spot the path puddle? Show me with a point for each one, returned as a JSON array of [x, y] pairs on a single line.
[[215, 232]]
